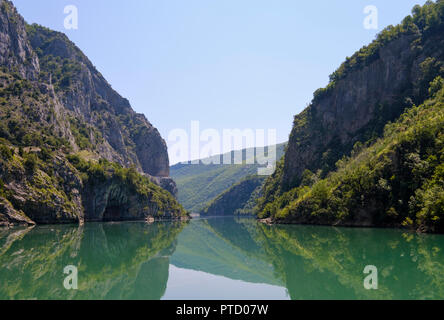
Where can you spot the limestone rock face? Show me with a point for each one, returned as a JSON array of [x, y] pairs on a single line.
[[9, 216], [55, 104], [128, 138], [151, 150], [358, 106], [36, 197], [168, 184], [15, 50], [349, 157], [112, 201]]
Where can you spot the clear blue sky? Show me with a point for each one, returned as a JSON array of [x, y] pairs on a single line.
[[227, 63]]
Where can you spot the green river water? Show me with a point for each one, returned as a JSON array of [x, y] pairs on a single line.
[[218, 258]]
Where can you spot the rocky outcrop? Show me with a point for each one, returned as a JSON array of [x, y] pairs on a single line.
[[56, 105], [15, 50], [126, 137], [358, 107], [9, 216], [339, 167], [59, 191], [166, 183], [46, 193], [113, 200]]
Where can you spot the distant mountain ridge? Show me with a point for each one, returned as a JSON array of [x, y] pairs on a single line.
[[239, 199], [198, 184]]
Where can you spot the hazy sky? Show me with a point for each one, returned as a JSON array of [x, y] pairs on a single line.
[[227, 63]]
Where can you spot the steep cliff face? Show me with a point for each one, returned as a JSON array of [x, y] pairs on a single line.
[[396, 182], [370, 89], [55, 107], [113, 193], [69, 189], [126, 137], [358, 106], [15, 50], [47, 192]]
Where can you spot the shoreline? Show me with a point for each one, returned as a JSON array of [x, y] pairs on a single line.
[[148, 220]]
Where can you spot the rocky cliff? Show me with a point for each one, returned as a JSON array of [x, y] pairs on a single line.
[[56, 105], [16, 52], [125, 137], [357, 107], [370, 89]]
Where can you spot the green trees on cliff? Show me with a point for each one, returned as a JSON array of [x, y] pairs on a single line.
[[399, 180], [393, 175]]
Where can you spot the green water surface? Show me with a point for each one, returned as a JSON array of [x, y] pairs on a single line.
[[218, 258]]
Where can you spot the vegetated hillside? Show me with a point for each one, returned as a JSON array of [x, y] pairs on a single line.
[[392, 181], [57, 112], [198, 184], [239, 199]]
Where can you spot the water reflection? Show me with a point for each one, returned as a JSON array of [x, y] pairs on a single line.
[[114, 261], [315, 262], [328, 263], [218, 258]]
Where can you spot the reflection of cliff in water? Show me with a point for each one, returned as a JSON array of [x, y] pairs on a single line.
[[315, 262], [115, 261], [328, 263], [131, 260], [232, 253]]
